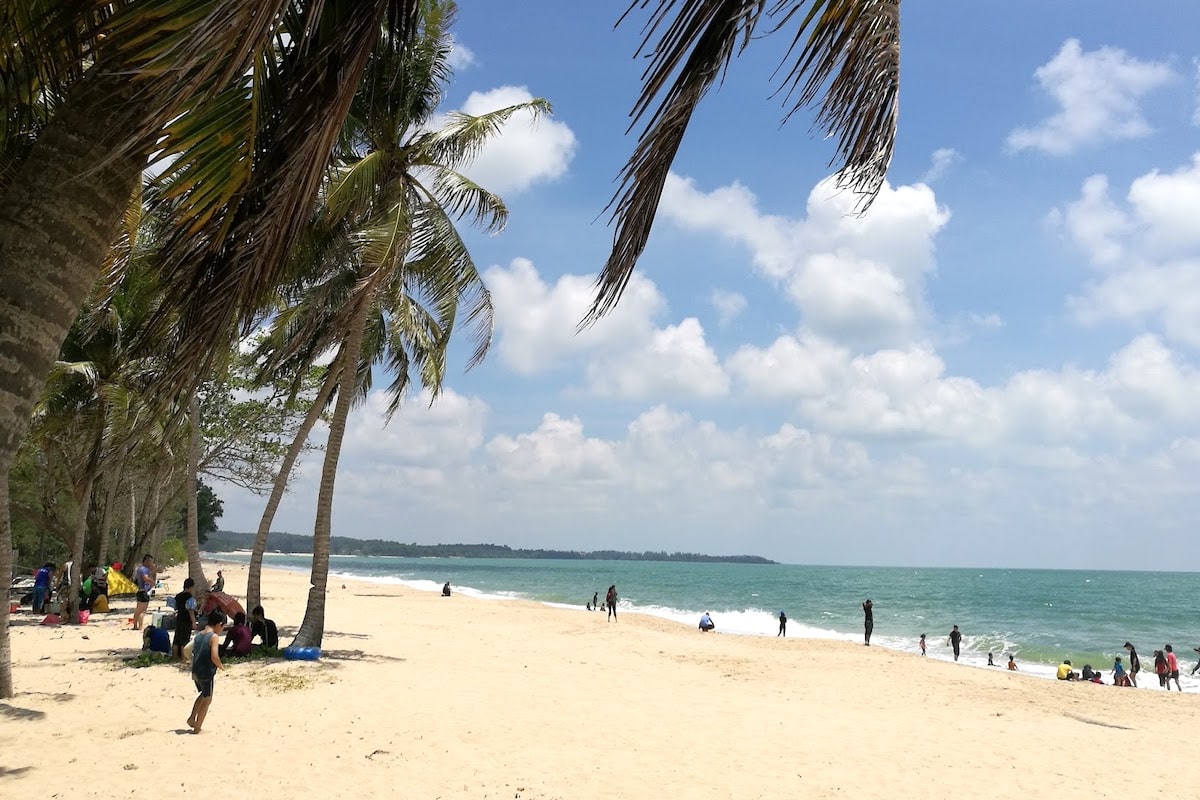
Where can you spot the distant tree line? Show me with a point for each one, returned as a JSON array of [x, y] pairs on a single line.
[[227, 541]]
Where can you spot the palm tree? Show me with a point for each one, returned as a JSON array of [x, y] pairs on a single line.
[[844, 56], [393, 292], [247, 97]]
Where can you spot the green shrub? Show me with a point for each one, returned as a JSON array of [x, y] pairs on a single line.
[[171, 552]]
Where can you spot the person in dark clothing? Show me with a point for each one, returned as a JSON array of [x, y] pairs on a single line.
[[446, 589], [868, 621], [237, 637], [1135, 664], [596, 600], [264, 629], [185, 619], [610, 602], [955, 641], [782, 624], [156, 640]]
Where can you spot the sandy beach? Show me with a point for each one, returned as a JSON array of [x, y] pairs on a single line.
[[420, 696]]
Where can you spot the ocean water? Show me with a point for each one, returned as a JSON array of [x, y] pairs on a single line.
[[1041, 616]]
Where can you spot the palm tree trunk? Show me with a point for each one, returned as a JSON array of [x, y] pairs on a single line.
[[6, 566], [254, 581], [58, 214], [312, 629], [195, 568], [110, 500], [83, 499]]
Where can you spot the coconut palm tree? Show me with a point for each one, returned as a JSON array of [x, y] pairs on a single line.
[[393, 292], [843, 56], [247, 98]]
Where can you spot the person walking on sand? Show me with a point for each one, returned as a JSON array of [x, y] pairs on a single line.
[[922, 644], [1172, 668], [955, 640], [782, 625], [206, 660], [596, 600], [610, 602], [868, 621], [1135, 665]]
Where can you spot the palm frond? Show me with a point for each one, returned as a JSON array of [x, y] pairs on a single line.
[[462, 137], [696, 47], [852, 62], [221, 278], [462, 198], [851, 53]]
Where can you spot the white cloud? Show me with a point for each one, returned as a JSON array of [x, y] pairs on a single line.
[[674, 360], [624, 354], [941, 162], [461, 56], [1147, 251], [907, 393], [728, 305], [526, 151], [1098, 94], [859, 278], [557, 451], [537, 324]]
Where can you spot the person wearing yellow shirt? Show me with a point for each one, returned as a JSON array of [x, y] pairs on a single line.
[[1064, 672]]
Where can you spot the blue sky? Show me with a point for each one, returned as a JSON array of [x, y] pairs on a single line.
[[996, 366]]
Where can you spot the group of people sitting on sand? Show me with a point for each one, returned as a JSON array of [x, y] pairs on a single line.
[[239, 637]]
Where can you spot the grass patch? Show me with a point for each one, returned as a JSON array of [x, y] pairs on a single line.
[[147, 658], [256, 654], [278, 681]]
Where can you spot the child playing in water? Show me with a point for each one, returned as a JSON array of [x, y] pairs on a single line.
[[206, 660], [1118, 673], [1012, 662]]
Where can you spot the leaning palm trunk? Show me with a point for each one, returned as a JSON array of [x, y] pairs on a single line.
[[312, 629], [195, 568], [254, 581], [58, 213], [6, 567]]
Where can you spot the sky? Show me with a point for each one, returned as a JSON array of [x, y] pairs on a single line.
[[998, 365]]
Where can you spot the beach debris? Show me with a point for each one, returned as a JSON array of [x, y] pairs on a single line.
[[374, 753]]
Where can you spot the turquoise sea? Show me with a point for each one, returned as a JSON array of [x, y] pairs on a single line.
[[1042, 616]]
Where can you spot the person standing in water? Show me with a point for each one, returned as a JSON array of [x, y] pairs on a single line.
[[955, 641], [596, 600], [1135, 665], [610, 602], [1172, 668], [922, 644], [782, 624], [868, 621]]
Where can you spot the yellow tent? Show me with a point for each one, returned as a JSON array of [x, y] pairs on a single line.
[[119, 585]]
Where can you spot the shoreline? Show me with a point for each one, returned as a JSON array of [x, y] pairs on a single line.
[[686, 619], [418, 695]]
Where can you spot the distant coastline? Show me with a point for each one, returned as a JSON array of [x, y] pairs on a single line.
[[291, 543]]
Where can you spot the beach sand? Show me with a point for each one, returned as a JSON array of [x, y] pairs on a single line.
[[420, 696]]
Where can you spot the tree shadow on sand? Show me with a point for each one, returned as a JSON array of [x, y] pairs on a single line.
[[8, 772], [357, 655], [13, 712]]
